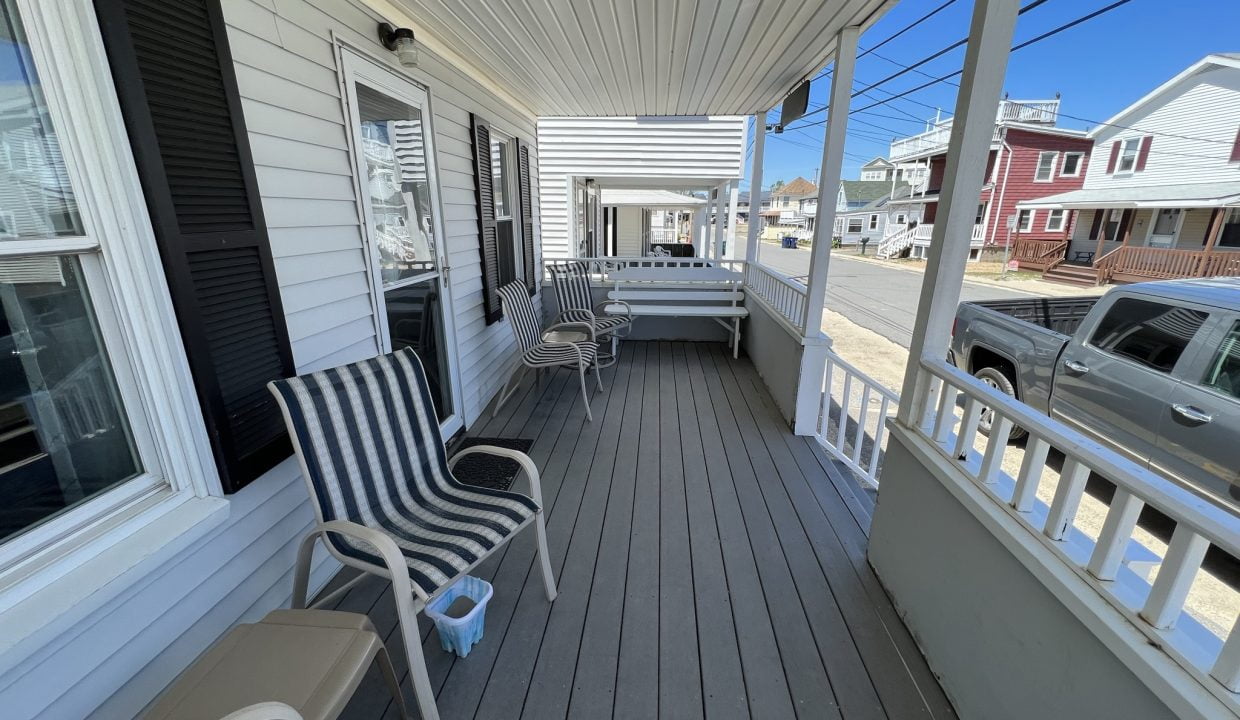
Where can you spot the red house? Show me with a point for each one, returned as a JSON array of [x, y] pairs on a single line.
[[1029, 158]]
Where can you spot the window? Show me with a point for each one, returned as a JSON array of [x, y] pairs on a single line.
[[1151, 333], [1229, 236], [1112, 224], [900, 218], [1024, 220], [1224, 371], [1046, 166], [1071, 164], [1055, 220], [980, 216], [1128, 155], [873, 222], [854, 225], [503, 177]]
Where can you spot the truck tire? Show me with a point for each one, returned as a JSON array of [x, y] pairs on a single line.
[[998, 380]]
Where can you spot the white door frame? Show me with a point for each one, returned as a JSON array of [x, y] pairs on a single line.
[[1175, 234], [357, 68]]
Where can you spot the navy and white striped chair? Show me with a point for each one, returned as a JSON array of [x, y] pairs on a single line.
[[540, 354], [384, 497], [576, 301]]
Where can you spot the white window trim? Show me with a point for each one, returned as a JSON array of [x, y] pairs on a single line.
[[860, 225], [131, 302], [873, 222], [1026, 227], [1050, 177], [1119, 161], [1063, 220], [1080, 160]]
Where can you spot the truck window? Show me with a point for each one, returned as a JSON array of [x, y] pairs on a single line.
[[1224, 371], [1151, 333]]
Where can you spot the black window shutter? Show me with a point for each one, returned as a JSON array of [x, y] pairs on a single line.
[[488, 233], [178, 94], [527, 215]]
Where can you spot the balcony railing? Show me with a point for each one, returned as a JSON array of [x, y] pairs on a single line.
[[1039, 254], [852, 417], [1157, 608], [1038, 112], [783, 294]]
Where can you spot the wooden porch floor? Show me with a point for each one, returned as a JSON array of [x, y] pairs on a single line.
[[710, 564]]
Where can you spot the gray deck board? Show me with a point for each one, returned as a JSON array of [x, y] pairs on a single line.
[[710, 564]]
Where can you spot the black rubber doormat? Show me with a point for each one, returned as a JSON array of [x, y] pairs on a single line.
[[490, 471]]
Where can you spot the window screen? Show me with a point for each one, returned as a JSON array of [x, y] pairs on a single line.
[[1151, 333]]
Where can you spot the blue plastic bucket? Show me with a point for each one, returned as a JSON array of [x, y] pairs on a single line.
[[459, 635]]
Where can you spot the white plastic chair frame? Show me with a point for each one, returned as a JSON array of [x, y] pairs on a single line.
[[410, 598], [593, 314], [514, 381]]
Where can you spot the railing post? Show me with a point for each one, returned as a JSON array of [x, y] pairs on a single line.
[[716, 235], [977, 103], [754, 230], [829, 179], [730, 251]]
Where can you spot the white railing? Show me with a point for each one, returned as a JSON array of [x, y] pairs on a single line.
[[781, 293], [894, 244], [922, 234], [1045, 112], [852, 420], [599, 267], [1157, 608], [661, 236], [932, 139], [1040, 112]]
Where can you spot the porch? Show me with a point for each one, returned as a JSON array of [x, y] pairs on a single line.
[[710, 564]]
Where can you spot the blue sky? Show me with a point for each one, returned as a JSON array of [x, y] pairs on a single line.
[[1099, 67]]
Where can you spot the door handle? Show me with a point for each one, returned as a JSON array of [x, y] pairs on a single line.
[[1188, 412], [1076, 366]]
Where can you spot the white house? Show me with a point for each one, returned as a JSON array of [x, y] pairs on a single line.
[[581, 156], [1161, 196]]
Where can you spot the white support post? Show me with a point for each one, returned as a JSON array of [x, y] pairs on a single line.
[[716, 234], [733, 189], [829, 177], [699, 227], [754, 234], [973, 127]]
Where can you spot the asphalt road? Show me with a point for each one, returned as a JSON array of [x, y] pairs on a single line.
[[879, 298]]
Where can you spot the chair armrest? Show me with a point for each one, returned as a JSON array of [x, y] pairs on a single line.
[[525, 461], [588, 326], [393, 559], [628, 309]]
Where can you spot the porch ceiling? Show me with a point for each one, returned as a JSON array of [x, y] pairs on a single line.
[[642, 57]]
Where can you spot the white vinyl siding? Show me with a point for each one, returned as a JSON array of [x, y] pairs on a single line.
[[1192, 125], [113, 662], [683, 152]]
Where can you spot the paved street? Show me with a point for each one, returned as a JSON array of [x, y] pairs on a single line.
[[878, 298]]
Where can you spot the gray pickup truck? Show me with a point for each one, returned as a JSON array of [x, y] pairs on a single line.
[[1151, 370]]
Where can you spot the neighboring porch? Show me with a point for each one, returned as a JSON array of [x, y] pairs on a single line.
[[1153, 234], [710, 563]]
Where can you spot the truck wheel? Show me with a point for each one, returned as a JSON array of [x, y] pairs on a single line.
[[998, 380]]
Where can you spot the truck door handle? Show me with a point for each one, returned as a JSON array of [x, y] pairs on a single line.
[[1188, 412], [1076, 366]]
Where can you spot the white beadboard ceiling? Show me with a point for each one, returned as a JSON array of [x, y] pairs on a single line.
[[641, 57]]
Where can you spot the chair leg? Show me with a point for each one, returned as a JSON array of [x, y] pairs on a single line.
[[598, 377], [407, 618], [585, 395], [384, 661], [301, 572], [544, 558]]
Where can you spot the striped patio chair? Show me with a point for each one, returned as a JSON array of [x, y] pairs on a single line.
[[383, 492], [540, 351], [576, 302]]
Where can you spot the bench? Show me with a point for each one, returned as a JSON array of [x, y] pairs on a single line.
[[667, 291]]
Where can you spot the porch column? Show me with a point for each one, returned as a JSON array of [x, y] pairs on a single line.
[[754, 231], [699, 227], [716, 235], [829, 178], [733, 190], [977, 104], [1216, 228]]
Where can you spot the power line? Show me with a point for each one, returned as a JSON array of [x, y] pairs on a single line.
[[1027, 43], [906, 28]]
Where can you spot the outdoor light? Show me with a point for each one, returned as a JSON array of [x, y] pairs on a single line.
[[401, 42]]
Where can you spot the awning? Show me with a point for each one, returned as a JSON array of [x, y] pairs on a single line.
[[641, 197], [1195, 195]]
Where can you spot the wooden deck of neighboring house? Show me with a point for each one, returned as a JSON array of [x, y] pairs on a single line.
[[710, 564]]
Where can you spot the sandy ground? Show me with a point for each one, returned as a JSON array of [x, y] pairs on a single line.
[[1211, 601]]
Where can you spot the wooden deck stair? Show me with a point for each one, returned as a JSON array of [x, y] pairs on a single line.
[[1080, 275]]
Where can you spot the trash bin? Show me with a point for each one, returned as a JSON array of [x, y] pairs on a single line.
[[790, 242], [460, 634]]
